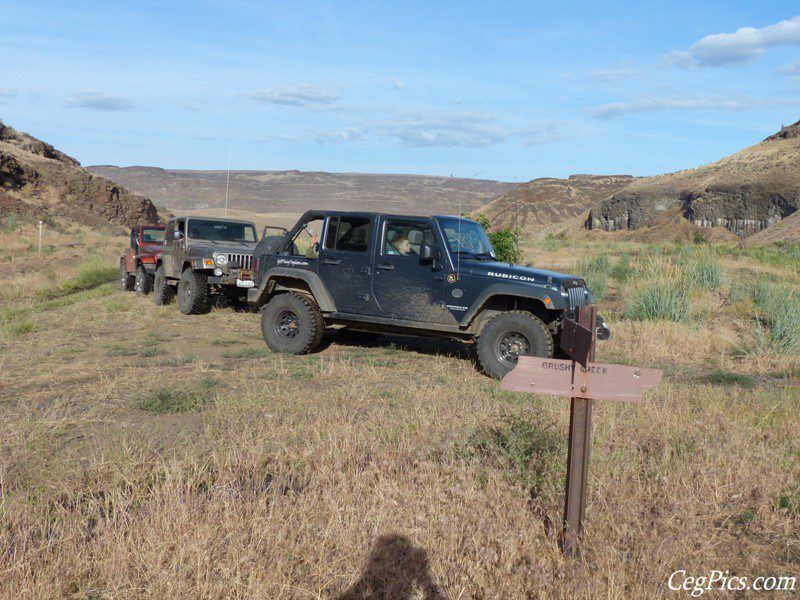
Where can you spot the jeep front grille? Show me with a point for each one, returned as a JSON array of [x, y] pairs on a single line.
[[245, 261], [577, 296]]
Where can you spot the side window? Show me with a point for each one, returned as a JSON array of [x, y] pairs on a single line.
[[350, 234], [181, 226], [404, 238]]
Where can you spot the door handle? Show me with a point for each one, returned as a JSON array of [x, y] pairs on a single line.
[[331, 261], [385, 267]]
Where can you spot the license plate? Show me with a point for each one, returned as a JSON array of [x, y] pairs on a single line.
[[245, 283]]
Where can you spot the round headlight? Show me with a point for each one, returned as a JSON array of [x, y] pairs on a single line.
[[221, 259]]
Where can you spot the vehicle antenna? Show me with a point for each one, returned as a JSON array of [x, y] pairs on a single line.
[[228, 179]]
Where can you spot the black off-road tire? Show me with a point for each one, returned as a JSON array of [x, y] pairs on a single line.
[[292, 323], [144, 282], [163, 292], [511, 334], [126, 280], [193, 293]]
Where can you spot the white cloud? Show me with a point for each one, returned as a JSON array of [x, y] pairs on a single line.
[[792, 69], [741, 47], [7, 92], [398, 84], [449, 130], [657, 104], [305, 95], [546, 133], [349, 134], [99, 101]]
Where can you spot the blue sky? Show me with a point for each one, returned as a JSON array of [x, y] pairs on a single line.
[[504, 90]]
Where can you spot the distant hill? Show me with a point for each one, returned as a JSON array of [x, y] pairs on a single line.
[[298, 191], [541, 204], [747, 192], [37, 179]]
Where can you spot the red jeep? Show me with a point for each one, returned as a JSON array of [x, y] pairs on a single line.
[[138, 265]]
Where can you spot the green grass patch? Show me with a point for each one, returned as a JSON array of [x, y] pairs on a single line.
[[728, 378], [527, 450], [91, 274], [225, 342], [18, 328], [163, 401], [658, 301]]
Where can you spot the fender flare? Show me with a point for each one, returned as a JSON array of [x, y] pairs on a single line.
[[557, 302], [313, 280]]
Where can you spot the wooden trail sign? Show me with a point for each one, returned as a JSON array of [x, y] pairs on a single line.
[[582, 380]]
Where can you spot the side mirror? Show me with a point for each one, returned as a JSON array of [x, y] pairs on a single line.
[[176, 235], [428, 253]]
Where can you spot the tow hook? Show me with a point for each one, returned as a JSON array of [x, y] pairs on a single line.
[[603, 330]]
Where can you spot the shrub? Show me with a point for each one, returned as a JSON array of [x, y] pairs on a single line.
[[504, 241], [596, 271], [528, 450], [623, 270], [782, 331], [703, 272], [163, 400], [658, 301]]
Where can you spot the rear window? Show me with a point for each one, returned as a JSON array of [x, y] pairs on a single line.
[[152, 235], [350, 234]]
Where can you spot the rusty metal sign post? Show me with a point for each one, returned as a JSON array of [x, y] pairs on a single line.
[[582, 380]]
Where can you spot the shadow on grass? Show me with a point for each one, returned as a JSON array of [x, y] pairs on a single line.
[[395, 569], [421, 345]]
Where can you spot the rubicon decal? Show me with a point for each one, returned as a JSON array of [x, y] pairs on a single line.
[[511, 276]]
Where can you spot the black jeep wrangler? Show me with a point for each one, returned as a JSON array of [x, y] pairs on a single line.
[[407, 275], [201, 255]]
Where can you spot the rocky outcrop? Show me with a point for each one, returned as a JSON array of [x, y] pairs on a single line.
[[48, 181], [745, 193], [744, 209]]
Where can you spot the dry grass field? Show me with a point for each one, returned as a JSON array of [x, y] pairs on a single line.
[[146, 454]]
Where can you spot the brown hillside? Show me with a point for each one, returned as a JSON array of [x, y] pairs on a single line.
[[543, 203], [35, 178], [787, 230], [294, 192], [745, 193]]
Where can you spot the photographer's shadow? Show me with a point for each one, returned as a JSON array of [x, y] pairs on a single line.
[[395, 570]]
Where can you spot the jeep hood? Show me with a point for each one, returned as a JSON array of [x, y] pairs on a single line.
[[508, 272], [207, 248]]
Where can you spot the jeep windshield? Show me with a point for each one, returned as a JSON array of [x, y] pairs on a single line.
[[221, 231], [152, 235], [467, 238]]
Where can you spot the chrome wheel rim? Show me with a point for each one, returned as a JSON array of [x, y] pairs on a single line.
[[287, 324], [512, 345]]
